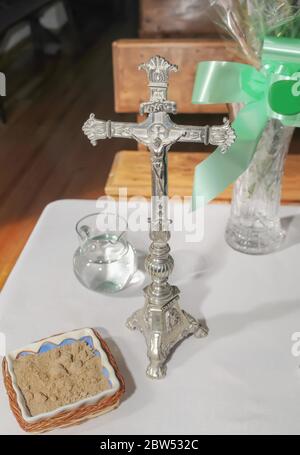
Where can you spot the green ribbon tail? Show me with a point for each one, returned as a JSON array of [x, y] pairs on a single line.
[[272, 92], [229, 82], [213, 175]]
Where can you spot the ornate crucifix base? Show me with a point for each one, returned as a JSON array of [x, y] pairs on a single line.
[[162, 321]]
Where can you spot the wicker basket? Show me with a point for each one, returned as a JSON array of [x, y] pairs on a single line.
[[67, 417]]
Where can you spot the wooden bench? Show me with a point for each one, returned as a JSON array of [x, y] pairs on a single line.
[[175, 18], [131, 170], [130, 85]]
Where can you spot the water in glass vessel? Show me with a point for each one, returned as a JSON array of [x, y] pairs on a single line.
[[105, 261]]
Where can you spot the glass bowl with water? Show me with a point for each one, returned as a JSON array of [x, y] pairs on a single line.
[[104, 261]]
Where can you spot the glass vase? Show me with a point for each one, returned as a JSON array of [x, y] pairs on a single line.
[[254, 225]]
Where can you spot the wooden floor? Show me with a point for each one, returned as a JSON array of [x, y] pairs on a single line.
[[43, 153]]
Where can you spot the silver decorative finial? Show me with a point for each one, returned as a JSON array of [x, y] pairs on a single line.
[[157, 69]]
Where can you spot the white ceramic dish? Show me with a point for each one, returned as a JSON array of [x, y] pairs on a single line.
[[52, 342]]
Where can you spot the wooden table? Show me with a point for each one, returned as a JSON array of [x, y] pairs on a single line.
[[131, 170]]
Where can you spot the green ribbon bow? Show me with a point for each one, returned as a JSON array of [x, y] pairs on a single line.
[[272, 92]]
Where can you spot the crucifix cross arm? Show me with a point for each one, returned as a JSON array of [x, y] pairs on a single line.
[[96, 129], [150, 132], [220, 135], [158, 131]]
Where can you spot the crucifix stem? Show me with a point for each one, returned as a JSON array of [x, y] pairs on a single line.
[[161, 320]]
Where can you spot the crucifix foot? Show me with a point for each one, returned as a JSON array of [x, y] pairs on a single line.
[[132, 322], [200, 328], [163, 327], [156, 368]]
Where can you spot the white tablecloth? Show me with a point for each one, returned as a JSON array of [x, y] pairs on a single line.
[[242, 378]]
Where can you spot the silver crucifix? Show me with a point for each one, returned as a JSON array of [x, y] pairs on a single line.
[[161, 320]]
